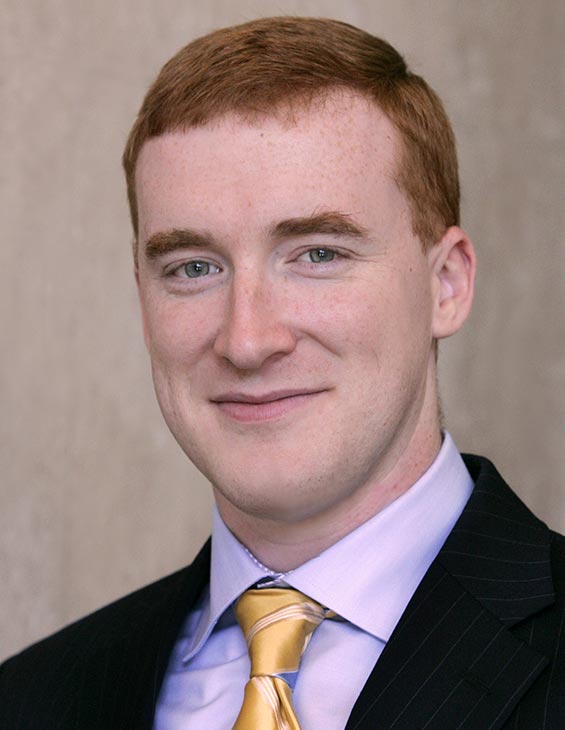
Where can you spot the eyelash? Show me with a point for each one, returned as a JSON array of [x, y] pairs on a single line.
[[335, 254], [176, 271]]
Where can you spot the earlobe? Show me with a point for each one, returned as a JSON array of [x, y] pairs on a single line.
[[453, 265]]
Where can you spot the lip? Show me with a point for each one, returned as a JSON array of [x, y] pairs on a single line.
[[249, 407]]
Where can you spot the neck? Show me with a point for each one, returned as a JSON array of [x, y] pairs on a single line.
[[283, 545]]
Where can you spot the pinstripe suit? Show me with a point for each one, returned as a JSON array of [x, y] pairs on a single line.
[[481, 644]]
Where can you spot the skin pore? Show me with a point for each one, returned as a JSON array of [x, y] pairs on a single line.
[[290, 314]]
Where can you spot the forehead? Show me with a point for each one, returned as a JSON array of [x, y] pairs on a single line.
[[339, 152]]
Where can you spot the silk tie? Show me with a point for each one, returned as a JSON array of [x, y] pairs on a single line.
[[277, 624]]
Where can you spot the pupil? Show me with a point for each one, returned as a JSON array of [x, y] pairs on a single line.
[[321, 254], [196, 268]]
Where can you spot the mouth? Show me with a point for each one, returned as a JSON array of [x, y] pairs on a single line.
[[247, 407]]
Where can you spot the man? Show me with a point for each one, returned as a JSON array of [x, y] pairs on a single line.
[[298, 254]]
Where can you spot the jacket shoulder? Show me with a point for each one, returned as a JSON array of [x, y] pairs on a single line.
[[105, 624], [94, 653]]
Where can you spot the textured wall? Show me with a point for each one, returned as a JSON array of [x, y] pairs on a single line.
[[96, 497]]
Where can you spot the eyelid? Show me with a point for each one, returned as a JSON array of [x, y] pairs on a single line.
[[338, 254]]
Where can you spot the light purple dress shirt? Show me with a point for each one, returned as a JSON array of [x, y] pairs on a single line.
[[367, 578]]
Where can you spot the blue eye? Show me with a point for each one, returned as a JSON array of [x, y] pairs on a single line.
[[321, 255], [194, 269]]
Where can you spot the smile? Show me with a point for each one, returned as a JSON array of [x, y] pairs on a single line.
[[249, 408]]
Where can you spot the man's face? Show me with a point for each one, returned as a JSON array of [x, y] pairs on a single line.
[[287, 306]]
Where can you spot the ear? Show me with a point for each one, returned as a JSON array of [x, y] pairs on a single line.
[[142, 308], [452, 265]]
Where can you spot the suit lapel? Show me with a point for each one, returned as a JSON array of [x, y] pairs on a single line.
[[453, 660], [129, 664]]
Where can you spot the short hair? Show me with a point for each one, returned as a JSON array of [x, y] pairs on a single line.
[[262, 67]]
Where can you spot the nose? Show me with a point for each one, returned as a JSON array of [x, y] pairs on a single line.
[[253, 330]]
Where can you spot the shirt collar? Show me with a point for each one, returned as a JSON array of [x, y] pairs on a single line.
[[232, 570], [397, 546]]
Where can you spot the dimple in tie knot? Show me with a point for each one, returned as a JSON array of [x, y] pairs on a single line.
[[277, 624]]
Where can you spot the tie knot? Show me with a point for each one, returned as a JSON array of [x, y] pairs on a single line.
[[277, 624]]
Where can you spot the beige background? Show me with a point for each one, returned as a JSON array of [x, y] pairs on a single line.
[[96, 497]]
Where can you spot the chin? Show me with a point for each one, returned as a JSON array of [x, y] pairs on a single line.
[[285, 497], [268, 508]]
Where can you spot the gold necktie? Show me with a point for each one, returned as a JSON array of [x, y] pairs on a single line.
[[277, 624]]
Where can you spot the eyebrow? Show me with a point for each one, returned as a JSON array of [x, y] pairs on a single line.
[[166, 242], [329, 223]]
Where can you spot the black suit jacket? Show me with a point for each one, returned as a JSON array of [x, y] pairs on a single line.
[[480, 646]]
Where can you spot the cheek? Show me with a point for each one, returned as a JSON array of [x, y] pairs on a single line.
[[373, 320], [329, 308], [177, 332]]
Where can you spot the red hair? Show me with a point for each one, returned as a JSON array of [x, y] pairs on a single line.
[[268, 65]]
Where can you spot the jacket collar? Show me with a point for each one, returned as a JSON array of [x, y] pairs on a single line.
[[499, 551], [122, 669], [452, 657]]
